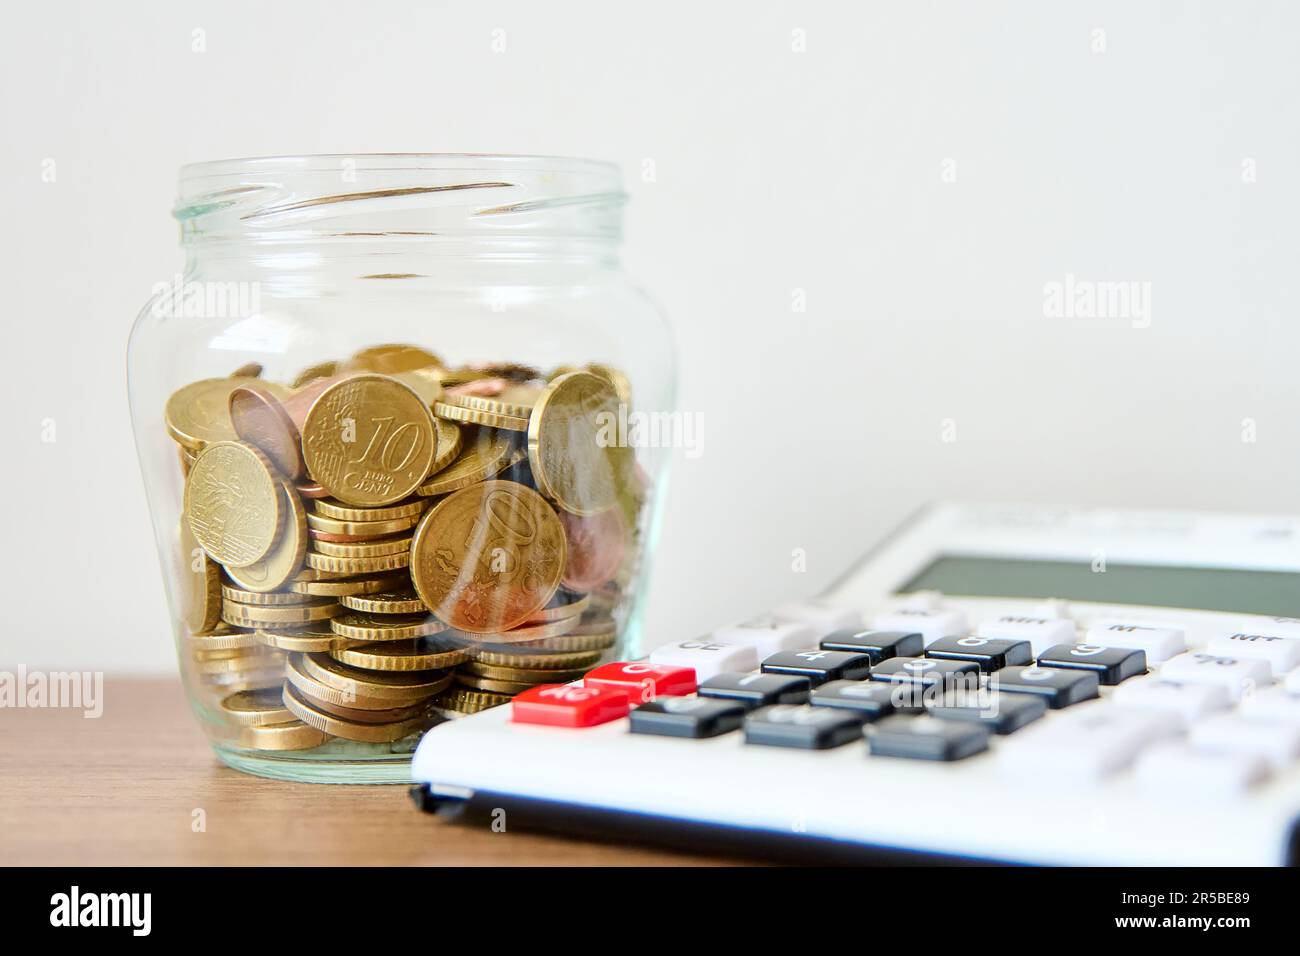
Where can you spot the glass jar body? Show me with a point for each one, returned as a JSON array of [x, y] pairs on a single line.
[[296, 310]]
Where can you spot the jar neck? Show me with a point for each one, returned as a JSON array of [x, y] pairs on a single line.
[[399, 215]]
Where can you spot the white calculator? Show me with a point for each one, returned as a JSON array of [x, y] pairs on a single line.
[[992, 683]]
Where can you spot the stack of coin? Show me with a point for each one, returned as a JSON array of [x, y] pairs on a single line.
[[350, 539]]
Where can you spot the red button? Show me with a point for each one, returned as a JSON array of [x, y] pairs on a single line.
[[641, 681], [564, 705]]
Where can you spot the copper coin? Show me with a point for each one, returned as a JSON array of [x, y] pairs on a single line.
[[597, 546], [260, 419], [312, 489]]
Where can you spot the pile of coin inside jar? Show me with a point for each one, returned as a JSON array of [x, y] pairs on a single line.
[[387, 541]]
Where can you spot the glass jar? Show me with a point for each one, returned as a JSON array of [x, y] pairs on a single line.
[[386, 419]]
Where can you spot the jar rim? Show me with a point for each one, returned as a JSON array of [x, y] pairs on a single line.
[[395, 162]]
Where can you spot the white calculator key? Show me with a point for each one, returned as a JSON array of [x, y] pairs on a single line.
[[931, 625], [1086, 745], [1236, 675], [827, 617], [1282, 626], [1272, 704], [1158, 641], [1190, 702], [1282, 653], [709, 658], [1040, 632], [1275, 741], [768, 636], [1292, 684], [1176, 769]]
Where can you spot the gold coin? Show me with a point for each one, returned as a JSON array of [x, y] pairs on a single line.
[[388, 359], [250, 615], [343, 587], [248, 370], [574, 447], [563, 606], [534, 675], [349, 729], [311, 639], [357, 626], [312, 372], [508, 401], [558, 660], [198, 414], [299, 674], [286, 557], [507, 687], [234, 502], [241, 596], [385, 602], [224, 637], [368, 529], [328, 508], [622, 384], [480, 459], [292, 735], [369, 440], [200, 579], [473, 416], [461, 701], [523, 634], [363, 549], [263, 663], [368, 684], [450, 439], [259, 418], [254, 708], [421, 654], [487, 557], [567, 642], [383, 562]]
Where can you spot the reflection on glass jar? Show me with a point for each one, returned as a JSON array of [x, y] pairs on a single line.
[[382, 417]]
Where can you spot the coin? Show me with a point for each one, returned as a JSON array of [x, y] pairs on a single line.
[[200, 579], [239, 665], [253, 708], [495, 396], [287, 554], [557, 659], [480, 458], [249, 615], [223, 638], [488, 556], [450, 438], [198, 414], [344, 587], [259, 418], [369, 440], [234, 503], [292, 735], [359, 684], [405, 601], [359, 626], [383, 562], [397, 357], [564, 605], [329, 508], [312, 372], [507, 687], [313, 716], [421, 654], [310, 639], [459, 700], [574, 447], [311, 489], [474, 416], [361, 530], [597, 548], [536, 675], [523, 633], [363, 549], [240, 596]]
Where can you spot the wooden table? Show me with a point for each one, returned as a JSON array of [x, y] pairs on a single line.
[[122, 790]]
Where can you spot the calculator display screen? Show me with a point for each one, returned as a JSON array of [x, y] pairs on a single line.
[[1273, 593]]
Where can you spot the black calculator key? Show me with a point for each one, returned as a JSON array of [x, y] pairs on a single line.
[[990, 653], [819, 666], [927, 671], [878, 645], [687, 717], [1056, 685], [1111, 664], [870, 701], [755, 690], [807, 728], [926, 738], [996, 713]]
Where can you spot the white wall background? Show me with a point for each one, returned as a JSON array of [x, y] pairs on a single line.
[[776, 170]]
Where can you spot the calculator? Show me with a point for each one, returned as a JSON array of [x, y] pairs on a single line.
[[1005, 684]]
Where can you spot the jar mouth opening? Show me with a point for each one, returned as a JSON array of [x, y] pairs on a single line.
[[406, 196]]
